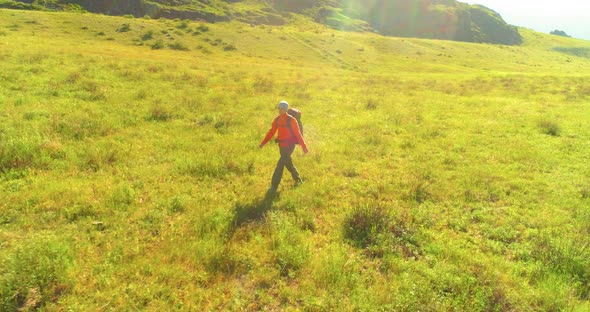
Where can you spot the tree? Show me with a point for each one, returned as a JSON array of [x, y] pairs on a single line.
[[559, 33]]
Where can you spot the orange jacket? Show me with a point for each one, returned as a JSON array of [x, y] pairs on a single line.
[[286, 136]]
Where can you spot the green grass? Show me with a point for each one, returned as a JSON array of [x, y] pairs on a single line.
[[441, 175]]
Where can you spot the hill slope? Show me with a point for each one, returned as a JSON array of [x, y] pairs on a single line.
[[442, 175], [435, 19]]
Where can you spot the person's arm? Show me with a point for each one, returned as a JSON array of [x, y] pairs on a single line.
[[269, 135], [298, 136]]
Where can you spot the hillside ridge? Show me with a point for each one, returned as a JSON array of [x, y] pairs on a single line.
[[432, 19]]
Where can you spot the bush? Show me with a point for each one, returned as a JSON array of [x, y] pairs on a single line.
[[203, 28], [34, 274], [377, 231], [100, 156], [178, 46], [147, 36], [157, 45], [371, 104], [229, 47], [122, 197], [21, 152], [579, 52], [78, 126], [183, 25], [124, 28], [549, 127], [159, 113], [364, 224], [559, 33], [263, 84], [567, 257]]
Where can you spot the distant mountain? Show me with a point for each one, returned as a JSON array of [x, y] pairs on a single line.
[[434, 19]]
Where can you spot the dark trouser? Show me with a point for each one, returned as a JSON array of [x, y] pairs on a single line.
[[285, 161]]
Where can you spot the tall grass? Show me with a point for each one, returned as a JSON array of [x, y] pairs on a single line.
[[131, 178], [35, 273]]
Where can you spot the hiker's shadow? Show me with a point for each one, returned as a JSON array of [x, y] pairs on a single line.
[[255, 211]]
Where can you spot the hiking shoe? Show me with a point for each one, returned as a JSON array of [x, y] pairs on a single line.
[[298, 182]]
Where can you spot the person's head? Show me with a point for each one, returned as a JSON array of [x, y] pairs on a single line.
[[283, 107]]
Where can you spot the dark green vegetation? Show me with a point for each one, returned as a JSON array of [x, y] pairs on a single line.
[[559, 33], [435, 19], [442, 175]]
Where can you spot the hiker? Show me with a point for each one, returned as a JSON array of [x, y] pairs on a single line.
[[289, 135]]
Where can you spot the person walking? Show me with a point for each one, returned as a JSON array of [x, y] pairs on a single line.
[[289, 135]]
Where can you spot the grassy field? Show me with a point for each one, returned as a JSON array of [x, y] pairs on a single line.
[[441, 175]]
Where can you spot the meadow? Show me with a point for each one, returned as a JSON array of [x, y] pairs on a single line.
[[441, 175]]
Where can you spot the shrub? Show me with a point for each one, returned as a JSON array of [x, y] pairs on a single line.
[[371, 104], [568, 257], [183, 24], [34, 274], [124, 28], [76, 212], [203, 28], [20, 152], [159, 113], [377, 231], [364, 224], [152, 222], [229, 47], [121, 198], [157, 45], [559, 33], [78, 126], [580, 52], [549, 127], [99, 156], [148, 35], [178, 46], [263, 84], [419, 191], [203, 49], [177, 205]]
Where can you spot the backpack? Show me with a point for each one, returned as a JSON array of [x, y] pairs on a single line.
[[295, 113]]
